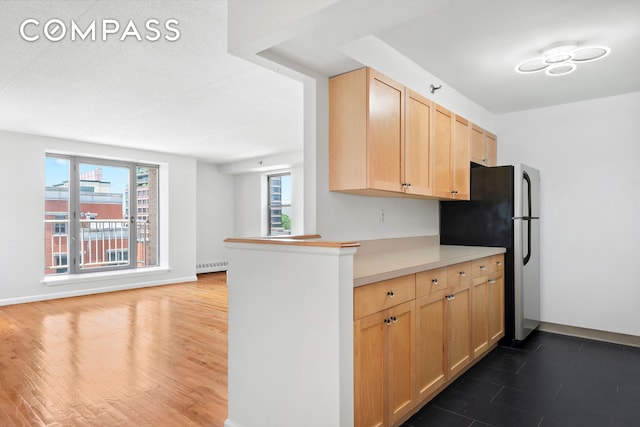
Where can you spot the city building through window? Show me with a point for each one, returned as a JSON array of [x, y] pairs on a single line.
[[279, 204], [91, 215]]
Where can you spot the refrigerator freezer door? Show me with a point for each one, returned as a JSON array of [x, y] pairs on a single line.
[[526, 250], [531, 281], [526, 201]]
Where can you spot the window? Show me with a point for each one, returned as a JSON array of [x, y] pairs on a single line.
[[279, 204], [60, 225], [89, 225]]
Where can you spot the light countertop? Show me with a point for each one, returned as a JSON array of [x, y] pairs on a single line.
[[380, 264]]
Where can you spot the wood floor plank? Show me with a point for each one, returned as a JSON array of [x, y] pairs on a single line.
[[145, 357]]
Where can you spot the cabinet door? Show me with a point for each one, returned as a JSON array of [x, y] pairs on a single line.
[[369, 352], [460, 168], [417, 147], [480, 316], [477, 145], [442, 123], [431, 335], [459, 328], [400, 362], [496, 308], [386, 133], [490, 149]]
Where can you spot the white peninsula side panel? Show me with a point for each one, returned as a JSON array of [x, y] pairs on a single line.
[[290, 333]]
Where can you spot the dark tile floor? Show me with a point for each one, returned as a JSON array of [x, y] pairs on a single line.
[[550, 380]]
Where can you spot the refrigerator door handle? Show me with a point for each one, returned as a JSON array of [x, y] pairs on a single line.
[[527, 219]]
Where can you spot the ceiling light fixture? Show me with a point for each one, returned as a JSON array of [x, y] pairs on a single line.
[[560, 59]]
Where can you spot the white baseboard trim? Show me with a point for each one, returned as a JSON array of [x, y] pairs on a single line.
[[592, 334], [92, 291]]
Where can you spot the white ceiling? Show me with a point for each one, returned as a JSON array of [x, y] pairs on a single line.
[[189, 96], [192, 97], [474, 46]]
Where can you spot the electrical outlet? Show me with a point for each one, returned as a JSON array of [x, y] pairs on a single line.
[[381, 216]]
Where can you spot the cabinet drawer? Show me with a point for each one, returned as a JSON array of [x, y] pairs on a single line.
[[431, 281], [498, 260], [379, 296], [458, 273], [483, 266]]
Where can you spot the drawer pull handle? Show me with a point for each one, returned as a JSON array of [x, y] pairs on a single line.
[[387, 322], [462, 273], [390, 294], [483, 267], [435, 281], [499, 262], [394, 319], [492, 281], [450, 297]]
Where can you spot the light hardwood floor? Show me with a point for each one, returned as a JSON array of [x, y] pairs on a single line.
[[145, 357]]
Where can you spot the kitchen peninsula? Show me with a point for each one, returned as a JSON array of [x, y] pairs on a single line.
[[294, 309]]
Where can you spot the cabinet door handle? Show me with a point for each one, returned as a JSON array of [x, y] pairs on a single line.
[[454, 192], [394, 319], [390, 294], [406, 184], [450, 297], [483, 267], [462, 274], [435, 281], [499, 262], [492, 281], [387, 322]]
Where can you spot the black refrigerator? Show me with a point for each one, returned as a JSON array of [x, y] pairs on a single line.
[[503, 212]]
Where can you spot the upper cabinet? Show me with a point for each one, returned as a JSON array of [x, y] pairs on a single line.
[[417, 147], [387, 140], [451, 155], [484, 147], [366, 133]]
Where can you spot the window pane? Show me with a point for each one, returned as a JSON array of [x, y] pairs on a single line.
[[103, 228], [279, 204], [147, 216], [56, 214]]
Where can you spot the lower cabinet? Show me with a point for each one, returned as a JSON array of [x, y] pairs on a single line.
[[384, 365], [458, 309], [415, 334], [431, 332], [488, 303]]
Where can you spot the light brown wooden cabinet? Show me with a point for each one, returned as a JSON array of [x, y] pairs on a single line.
[[366, 132], [415, 334], [458, 308], [379, 136], [496, 301], [488, 303], [417, 152], [431, 332], [451, 155], [384, 352], [484, 147]]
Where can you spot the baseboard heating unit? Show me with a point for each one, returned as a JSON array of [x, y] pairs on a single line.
[[211, 267]]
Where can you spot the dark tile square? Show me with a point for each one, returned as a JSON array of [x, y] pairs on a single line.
[[431, 416], [481, 409]]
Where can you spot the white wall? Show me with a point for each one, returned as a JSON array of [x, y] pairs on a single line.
[[349, 217], [214, 211], [22, 253], [251, 198], [588, 154]]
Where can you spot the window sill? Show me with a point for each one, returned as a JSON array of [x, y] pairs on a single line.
[[70, 279]]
